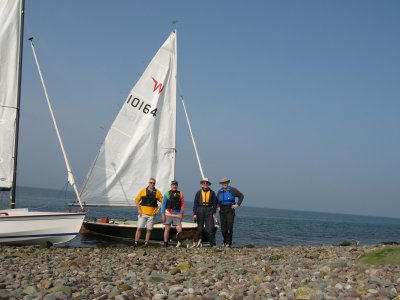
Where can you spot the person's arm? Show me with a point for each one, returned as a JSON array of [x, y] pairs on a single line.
[[218, 203], [214, 206], [137, 201], [164, 204], [238, 194], [163, 207], [195, 205], [182, 205], [159, 198]]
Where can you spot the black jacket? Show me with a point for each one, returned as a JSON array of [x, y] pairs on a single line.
[[213, 201]]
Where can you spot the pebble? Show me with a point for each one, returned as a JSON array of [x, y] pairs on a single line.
[[120, 273]]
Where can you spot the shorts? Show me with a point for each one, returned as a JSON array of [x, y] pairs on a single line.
[[176, 221], [145, 221]]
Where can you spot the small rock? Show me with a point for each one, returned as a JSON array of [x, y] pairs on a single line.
[[159, 297], [175, 271], [184, 265], [30, 290], [174, 289]]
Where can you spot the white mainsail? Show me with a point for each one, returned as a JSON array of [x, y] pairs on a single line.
[[21, 226], [10, 30], [141, 141]]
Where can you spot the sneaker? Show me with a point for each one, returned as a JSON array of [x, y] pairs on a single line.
[[145, 244], [135, 245], [165, 244]]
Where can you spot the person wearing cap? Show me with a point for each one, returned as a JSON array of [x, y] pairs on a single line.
[[227, 205], [173, 206], [204, 209], [148, 203]]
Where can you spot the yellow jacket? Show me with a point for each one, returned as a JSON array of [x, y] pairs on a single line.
[[148, 210]]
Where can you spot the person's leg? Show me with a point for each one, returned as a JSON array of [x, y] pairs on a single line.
[[137, 235], [200, 220], [229, 226], [167, 223], [166, 235], [148, 233], [178, 224], [223, 218], [149, 226], [140, 224], [209, 223]]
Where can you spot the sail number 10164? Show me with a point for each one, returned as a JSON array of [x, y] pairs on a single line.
[[140, 105]]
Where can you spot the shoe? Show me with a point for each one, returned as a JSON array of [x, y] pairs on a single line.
[[146, 244], [165, 244], [135, 245]]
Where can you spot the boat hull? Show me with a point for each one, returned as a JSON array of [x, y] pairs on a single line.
[[24, 227], [127, 229]]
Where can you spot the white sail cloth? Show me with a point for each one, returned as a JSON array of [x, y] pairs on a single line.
[[10, 29], [141, 141]]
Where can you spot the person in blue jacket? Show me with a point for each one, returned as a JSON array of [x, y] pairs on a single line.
[[204, 209], [227, 205]]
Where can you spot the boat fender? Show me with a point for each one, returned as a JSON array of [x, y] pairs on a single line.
[[104, 220]]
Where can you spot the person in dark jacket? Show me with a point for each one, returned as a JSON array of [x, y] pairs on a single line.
[[227, 205], [204, 209]]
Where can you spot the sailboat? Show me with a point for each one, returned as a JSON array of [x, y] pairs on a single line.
[[139, 145], [21, 226]]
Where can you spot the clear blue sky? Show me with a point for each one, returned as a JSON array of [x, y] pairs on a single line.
[[298, 102]]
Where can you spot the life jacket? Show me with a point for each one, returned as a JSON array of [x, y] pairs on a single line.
[[150, 198], [174, 201], [226, 197], [206, 201]]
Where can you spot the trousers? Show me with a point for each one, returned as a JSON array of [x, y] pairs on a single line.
[[205, 223], [227, 216]]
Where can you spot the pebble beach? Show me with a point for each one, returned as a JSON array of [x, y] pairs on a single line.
[[290, 272]]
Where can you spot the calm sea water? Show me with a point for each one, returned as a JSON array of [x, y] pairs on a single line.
[[257, 226]]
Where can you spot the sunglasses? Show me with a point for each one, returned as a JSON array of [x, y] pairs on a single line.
[[152, 183]]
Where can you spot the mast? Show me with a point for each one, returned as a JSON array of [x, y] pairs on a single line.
[[15, 154], [176, 82]]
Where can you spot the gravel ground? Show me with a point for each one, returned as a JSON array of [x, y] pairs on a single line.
[[290, 272]]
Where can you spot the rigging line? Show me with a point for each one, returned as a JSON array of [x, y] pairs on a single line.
[[71, 178], [190, 129]]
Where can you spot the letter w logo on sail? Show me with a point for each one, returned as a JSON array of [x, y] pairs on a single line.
[[157, 86]]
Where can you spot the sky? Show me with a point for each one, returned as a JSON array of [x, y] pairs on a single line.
[[297, 102]]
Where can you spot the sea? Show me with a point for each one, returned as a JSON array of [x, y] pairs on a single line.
[[254, 226]]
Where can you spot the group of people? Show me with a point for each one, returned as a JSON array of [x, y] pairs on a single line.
[[150, 201]]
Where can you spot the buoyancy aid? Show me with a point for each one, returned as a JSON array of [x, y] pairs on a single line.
[[174, 201], [150, 198], [205, 198], [225, 197]]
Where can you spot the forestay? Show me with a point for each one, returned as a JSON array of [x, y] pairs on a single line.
[[141, 141], [10, 28]]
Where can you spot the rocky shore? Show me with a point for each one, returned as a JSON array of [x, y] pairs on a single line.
[[295, 272]]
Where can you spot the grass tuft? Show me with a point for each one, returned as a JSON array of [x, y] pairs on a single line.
[[386, 256]]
